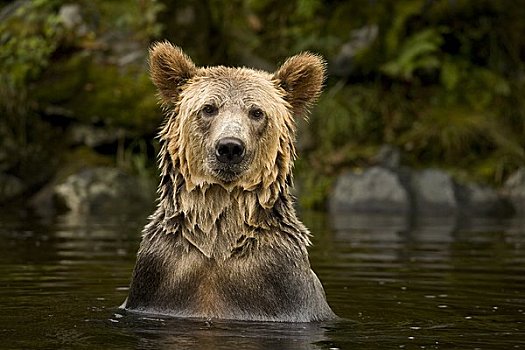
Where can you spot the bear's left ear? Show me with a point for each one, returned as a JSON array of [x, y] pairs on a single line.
[[302, 78], [170, 69]]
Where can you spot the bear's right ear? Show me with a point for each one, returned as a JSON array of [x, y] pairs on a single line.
[[302, 77], [170, 68]]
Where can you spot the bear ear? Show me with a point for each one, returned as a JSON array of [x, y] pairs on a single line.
[[170, 68], [302, 78]]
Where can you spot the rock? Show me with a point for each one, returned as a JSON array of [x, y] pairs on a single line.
[[481, 201], [390, 189], [92, 136], [71, 17], [388, 156], [123, 50], [10, 187], [377, 190], [514, 190], [103, 191], [132, 57], [360, 39], [433, 192]]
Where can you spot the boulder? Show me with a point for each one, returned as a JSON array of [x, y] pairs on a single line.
[[70, 15], [93, 136], [10, 187], [433, 192], [390, 189], [514, 190], [103, 190], [377, 189], [388, 156], [480, 201]]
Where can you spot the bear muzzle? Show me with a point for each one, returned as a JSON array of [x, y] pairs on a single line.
[[229, 159], [230, 150]]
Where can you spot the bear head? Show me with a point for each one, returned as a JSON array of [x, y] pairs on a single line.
[[234, 127]]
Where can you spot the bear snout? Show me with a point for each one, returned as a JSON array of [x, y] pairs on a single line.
[[230, 150]]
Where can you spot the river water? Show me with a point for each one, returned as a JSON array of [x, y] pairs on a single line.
[[442, 283]]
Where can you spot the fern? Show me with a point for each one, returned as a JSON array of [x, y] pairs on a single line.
[[418, 52]]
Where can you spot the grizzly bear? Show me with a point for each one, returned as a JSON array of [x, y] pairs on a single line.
[[225, 241]]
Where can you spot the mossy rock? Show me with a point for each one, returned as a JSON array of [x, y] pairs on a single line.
[[62, 81], [102, 94], [116, 98]]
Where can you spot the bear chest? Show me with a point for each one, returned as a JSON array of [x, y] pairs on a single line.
[[265, 283]]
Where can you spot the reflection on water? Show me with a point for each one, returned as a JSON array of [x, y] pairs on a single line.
[[165, 333], [398, 282]]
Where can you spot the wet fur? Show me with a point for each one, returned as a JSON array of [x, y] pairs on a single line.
[[221, 249]]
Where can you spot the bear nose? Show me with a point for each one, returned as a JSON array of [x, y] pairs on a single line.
[[230, 150]]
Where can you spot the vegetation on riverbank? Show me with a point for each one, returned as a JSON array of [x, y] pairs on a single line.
[[443, 81]]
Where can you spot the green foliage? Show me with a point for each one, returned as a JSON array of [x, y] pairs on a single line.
[[114, 97], [403, 11], [344, 116], [251, 25], [53, 76], [28, 38], [443, 83], [442, 80], [419, 52], [313, 186], [447, 129], [478, 87], [139, 18]]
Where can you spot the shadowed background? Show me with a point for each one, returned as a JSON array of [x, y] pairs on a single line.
[[438, 83]]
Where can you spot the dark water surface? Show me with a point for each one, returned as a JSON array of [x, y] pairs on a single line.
[[425, 284]]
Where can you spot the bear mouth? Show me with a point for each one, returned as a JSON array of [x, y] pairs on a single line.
[[227, 174]]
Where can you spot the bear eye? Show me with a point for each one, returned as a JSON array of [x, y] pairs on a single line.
[[256, 114], [210, 110]]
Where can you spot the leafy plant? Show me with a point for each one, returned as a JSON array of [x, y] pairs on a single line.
[[28, 38], [419, 52]]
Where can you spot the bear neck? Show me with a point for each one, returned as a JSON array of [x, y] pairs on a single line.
[[219, 221]]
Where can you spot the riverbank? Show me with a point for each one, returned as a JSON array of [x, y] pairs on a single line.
[[424, 79]]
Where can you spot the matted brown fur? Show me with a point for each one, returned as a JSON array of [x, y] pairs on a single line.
[[225, 241]]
